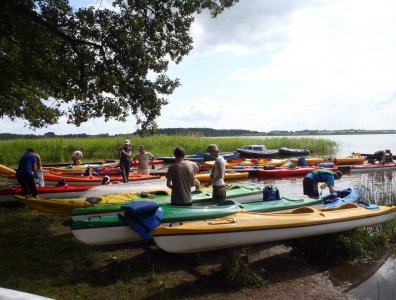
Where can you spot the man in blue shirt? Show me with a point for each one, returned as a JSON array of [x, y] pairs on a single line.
[[27, 172], [310, 183]]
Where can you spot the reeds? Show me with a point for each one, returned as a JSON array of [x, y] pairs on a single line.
[[59, 150]]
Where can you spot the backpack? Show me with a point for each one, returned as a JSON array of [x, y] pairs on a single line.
[[271, 193], [302, 162]]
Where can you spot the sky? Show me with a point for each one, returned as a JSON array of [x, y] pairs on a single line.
[[278, 65]]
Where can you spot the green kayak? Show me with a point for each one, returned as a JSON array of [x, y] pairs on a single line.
[[237, 192], [116, 228]]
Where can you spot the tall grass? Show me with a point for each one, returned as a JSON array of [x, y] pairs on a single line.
[[58, 150]]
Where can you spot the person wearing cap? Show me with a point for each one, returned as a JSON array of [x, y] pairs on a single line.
[[181, 177], [311, 180], [27, 172], [124, 154], [217, 174], [143, 159]]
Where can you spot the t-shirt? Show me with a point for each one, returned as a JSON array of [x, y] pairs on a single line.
[[144, 160], [123, 157], [26, 163], [182, 177], [219, 160], [323, 176]]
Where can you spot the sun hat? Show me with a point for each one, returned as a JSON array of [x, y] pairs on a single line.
[[127, 142], [212, 147], [141, 147]]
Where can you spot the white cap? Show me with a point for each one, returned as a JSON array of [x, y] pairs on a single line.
[[127, 142]]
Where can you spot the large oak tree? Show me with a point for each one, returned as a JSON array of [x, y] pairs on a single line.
[[93, 62]]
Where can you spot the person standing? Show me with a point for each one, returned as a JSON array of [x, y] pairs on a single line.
[[181, 177], [143, 159], [311, 180], [217, 174], [27, 172], [124, 154]]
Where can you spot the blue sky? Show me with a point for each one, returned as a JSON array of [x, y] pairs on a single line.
[[279, 65]]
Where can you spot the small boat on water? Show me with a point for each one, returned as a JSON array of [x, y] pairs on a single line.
[[246, 228], [287, 172], [368, 167], [256, 151], [286, 152], [312, 161]]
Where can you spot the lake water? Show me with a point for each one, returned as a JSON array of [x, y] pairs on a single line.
[[369, 280]]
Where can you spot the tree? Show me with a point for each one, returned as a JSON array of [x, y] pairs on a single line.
[[93, 62]]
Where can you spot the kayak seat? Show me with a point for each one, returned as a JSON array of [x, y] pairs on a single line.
[[303, 210], [227, 202], [349, 205]]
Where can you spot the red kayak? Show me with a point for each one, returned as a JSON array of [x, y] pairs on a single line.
[[61, 192], [284, 172]]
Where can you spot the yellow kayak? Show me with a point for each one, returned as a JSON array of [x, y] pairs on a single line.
[[246, 228], [227, 176], [64, 206], [336, 160], [6, 170]]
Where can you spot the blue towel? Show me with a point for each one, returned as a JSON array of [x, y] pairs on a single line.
[[143, 217]]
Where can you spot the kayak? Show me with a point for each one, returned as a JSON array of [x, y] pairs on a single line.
[[237, 192], [6, 170], [368, 167], [286, 172], [250, 162], [115, 229], [241, 194], [65, 206], [52, 178], [336, 160], [293, 152], [67, 191], [246, 228], [227, 176], [109, 167]]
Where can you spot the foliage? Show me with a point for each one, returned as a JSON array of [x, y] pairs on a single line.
[[58, 150], [99, 61], [236, 271]]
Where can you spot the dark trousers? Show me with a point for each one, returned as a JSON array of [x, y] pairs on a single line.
[[124, 167], [219, 194], [310, 187], [27, 183]]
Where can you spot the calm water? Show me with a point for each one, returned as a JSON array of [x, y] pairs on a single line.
[[375, 279]]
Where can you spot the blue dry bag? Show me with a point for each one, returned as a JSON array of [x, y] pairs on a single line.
[[271, 193]]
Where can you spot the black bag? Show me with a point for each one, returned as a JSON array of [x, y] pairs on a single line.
[[271, 193]]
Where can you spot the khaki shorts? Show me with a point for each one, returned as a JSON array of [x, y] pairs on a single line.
[[219, 194], [143, 171]]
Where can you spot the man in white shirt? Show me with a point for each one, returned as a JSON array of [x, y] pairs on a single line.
[[217, 175], [143, 159]]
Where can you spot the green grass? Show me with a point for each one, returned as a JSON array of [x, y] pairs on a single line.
[[58, 150]]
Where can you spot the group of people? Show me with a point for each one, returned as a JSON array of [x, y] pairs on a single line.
[[180, 177], [142, 159]]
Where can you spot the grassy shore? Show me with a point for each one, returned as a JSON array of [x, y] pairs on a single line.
[[57, 150]]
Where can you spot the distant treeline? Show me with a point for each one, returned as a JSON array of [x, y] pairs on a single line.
[[204, 132]]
